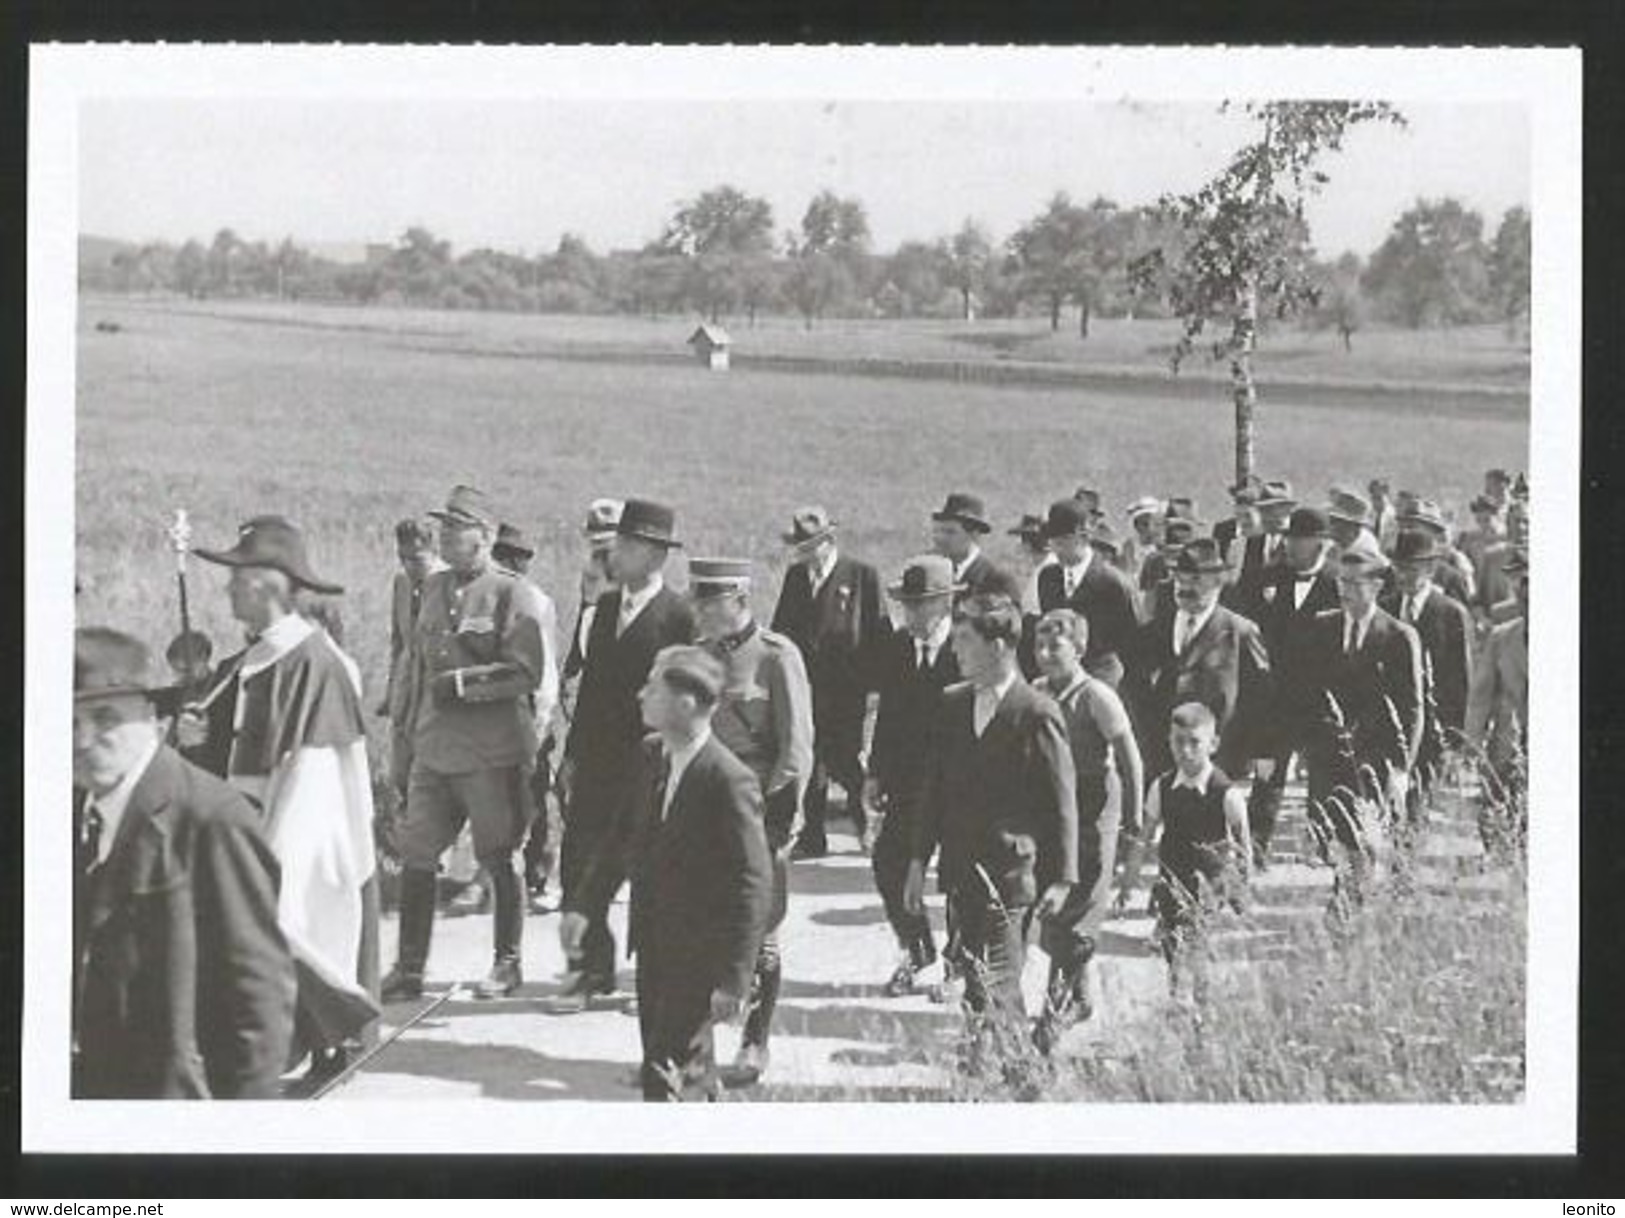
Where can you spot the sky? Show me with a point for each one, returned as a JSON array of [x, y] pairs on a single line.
[[515, 175]]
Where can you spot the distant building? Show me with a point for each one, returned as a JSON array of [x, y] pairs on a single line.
[[710, 345]]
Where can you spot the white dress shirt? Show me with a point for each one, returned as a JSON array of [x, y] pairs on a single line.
[[110, 807], [987, 703], [927, 649], [963, 564], [1410, 607], [1188, 625], [1302, 581], [1354, 632], [634, 603], [1072, 575], [818, 573], [677, 763]]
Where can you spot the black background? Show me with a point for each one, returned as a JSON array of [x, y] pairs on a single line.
[[1598, 27]]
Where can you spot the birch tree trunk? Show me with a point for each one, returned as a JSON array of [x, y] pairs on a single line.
[[1243, 338]]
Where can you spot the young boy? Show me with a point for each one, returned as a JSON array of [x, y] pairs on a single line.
[[1204, 857]]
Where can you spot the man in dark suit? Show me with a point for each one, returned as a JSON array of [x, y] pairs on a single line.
[[1082, 581], [1289, 601], [183, 985], [916, 665], [1445, 627], [631, 623], [830, 608], [1368, 686], [955, 527], [691, 840], [999, 800], [1263, 551], [1201, 652]]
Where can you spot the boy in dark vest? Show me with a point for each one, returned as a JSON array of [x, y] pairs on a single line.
[[1204, 859]]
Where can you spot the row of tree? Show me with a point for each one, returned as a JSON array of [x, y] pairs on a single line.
[[719, 256]]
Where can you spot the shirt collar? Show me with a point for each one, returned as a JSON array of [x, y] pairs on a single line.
[[820, 571], [632, 603], [1361, 625], [276, 641], [1001, 689], [1199, 619], [1077, 570], [680, 759], [110, 807], [939, 636], [1418, 599], [961, 566], [1199, 784]]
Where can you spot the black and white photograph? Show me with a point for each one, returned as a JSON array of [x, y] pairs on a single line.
[[807, 581]]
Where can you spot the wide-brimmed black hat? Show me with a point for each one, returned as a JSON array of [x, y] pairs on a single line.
[[968, 510], [109, 664], [648, 521], [274, 542], [1030, 527], [1308, 522], [1068, 517], [1416, 545], [1200, 556]]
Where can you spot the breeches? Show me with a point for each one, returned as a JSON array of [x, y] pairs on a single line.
[[494, 802]]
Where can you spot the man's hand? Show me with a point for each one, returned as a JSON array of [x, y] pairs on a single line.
[[873, 797], [191, 729], [1264, 768], [725, 1005], [572, 930], [1053, 899], [914, 887]]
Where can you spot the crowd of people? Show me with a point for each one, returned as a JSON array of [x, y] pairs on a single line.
[[1029, 728]]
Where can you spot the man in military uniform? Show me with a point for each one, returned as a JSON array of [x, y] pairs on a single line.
[[478, 658], [764, 716]]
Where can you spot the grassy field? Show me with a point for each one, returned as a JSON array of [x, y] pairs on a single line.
[[346, 420], [1480, 357], [345, 430]]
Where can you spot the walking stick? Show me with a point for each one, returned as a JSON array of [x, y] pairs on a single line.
[[180, 539]]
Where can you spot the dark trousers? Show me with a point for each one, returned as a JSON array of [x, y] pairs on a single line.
[[1264, 803], [679, 1042], [542, 846], [893, 851], [837, 741], [765, 983], [991, 948], [589, 819]]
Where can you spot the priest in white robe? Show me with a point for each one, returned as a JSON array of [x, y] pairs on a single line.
[[286, 715]]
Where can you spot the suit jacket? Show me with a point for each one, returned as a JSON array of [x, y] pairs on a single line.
[[1498, 702], [702, 878], [1288, 632], [1006, 801], [1106, 598], [608, 725], [1447, 633], [1225, 667], [983, 578], [909, 701], [1245, 594], [184, 984], [1386, 671], [837, 630]]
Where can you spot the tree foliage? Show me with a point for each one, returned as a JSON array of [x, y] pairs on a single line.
[[1433, 267]]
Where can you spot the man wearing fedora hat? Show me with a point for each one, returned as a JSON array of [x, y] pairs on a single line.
[[1367, 726], [1289, 601], [1089, 585], [1445, 628], [183, 986], [416, 552], [764, 716], [479, 656], [1263, 551], [1198, 650], [1453, 571], [955, 528], [829, 606], [915, 666], [1349, 514], [631, 622], [1033, 554], [1156, 586], [298, 749]]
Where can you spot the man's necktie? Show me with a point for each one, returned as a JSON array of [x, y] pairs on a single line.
[[90, 838], [922, 656], [662, 779]]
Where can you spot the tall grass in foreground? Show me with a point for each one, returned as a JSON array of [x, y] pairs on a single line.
[[1417, 995]]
